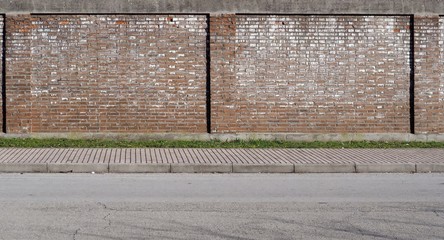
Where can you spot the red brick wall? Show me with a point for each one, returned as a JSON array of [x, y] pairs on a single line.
[[18, 74], [133, 73], [223, 72], [147, 73], [429, 74], [311, 74]]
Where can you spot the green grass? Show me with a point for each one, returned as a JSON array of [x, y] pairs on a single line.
[[81, 143]]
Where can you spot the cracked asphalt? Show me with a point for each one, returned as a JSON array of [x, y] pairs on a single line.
[[218, 206]]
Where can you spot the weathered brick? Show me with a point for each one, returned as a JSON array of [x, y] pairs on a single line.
[[18, 73], [223, 71], [147, 73], [106, 73], [312, 74], [429, 74]]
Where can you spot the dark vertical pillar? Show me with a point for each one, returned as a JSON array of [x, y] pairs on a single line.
[[3, 76], [208, 85], [412, 74]]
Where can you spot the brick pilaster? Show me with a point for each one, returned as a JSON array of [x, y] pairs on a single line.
[[224, 102], [429, 74]]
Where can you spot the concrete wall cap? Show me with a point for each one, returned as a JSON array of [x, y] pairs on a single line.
[[226, 6]]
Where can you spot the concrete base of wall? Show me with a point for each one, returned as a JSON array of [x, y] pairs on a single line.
[[302, 137]]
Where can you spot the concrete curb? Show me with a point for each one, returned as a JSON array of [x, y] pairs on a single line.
[[218, 168], [263, 168], [201, 168], [324, 168], [425, 168], [78, 167], [23, 168], [139, 168], [386, 168]]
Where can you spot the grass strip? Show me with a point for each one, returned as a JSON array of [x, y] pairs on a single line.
[[101, 143]]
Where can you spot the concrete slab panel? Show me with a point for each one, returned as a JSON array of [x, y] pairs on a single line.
[[201, 168], [263, 168], [432, 168], [139, 168], [385, 168], [324, 168], [78, 167], [23, 168]]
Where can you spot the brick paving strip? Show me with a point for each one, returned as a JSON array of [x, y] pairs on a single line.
[[210, 160]]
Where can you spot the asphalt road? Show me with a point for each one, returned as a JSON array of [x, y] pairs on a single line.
[[232, 206]]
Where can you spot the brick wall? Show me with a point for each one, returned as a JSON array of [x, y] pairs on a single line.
[[132, 73], [268, 73], [18, 74], [223, 72], [313, 74], [429, 74]]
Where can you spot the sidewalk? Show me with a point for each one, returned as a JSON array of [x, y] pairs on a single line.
[[189, 160]]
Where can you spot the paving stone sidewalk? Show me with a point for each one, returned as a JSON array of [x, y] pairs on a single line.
[[192, 160]]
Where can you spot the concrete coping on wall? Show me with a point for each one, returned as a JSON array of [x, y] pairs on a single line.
[[226, 6], [302, 137]]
